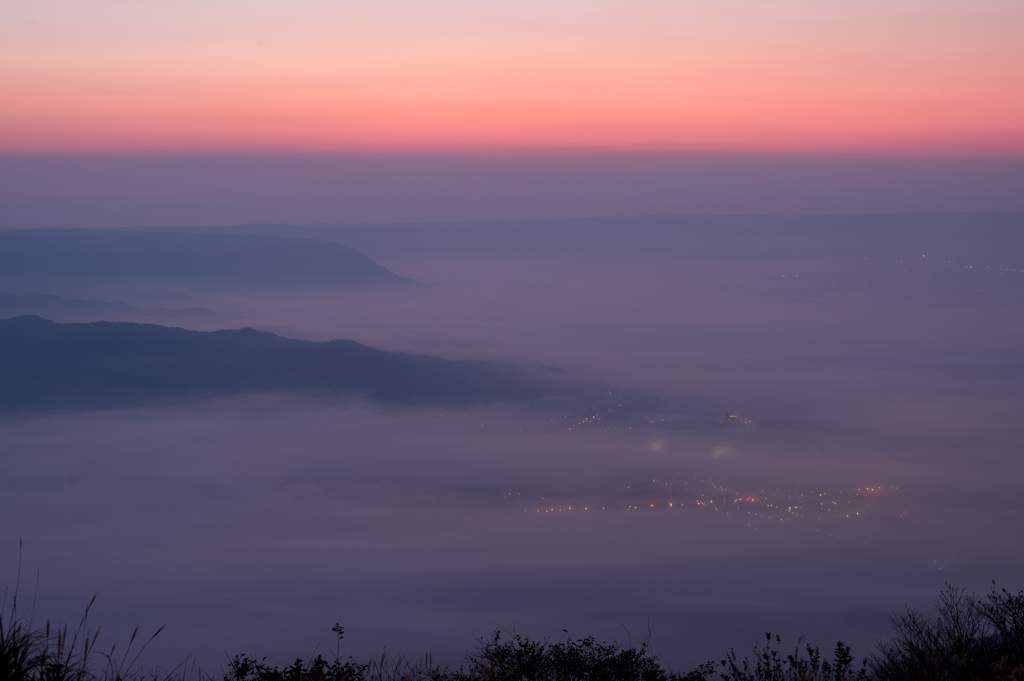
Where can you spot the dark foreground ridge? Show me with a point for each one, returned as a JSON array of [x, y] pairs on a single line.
[[45, 365], [186, 259], [969, 638]]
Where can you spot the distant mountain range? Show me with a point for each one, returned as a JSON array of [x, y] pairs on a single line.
[[45, 365], [994, 237], [186, 259], [16, 305]]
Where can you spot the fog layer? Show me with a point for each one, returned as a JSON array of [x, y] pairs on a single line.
[[800, 457]]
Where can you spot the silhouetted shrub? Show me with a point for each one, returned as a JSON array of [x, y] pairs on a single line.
[[523, 659], [517, 658], [46, 653], [244, 668], [969, 639], [769, 664]]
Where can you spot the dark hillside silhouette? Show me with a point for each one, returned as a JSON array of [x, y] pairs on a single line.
[[186, 259], [15, 305], [45, 365]]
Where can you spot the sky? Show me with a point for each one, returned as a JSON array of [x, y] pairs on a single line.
[[913, 78]]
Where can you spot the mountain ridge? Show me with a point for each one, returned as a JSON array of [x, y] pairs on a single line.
[[46, 365], [979, 235], [18, 305], [188, 259]]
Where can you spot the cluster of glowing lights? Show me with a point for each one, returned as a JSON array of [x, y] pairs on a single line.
[[780, 506]]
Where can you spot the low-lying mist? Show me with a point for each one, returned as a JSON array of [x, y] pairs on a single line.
[[760, 456], [257, 522]]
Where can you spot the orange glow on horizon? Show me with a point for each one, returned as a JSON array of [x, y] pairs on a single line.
[[946, 80]]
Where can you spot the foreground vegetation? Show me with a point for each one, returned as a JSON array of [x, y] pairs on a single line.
[[968, 638]]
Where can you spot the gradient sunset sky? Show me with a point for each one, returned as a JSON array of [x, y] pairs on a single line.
[[911, 77]]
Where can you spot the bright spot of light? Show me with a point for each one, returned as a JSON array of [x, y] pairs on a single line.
[[722, 450]]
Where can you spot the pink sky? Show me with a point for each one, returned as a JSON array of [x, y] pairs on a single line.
[[913, 77]]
